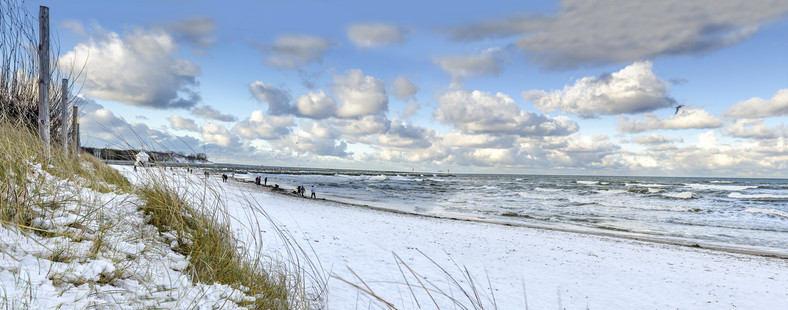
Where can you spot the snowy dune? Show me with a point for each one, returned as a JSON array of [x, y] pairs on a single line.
[[511, 267]]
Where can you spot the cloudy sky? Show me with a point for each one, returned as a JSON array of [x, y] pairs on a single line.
[[565, 87]]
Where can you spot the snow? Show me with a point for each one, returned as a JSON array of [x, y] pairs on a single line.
[[510, 267], [99, 257]]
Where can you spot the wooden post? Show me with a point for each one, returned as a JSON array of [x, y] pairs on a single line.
[[43, 75], [64, 115], [74, 131]]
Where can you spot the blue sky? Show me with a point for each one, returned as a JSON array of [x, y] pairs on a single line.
[[568, 87]]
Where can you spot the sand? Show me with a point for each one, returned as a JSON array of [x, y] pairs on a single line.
[[510, 267]]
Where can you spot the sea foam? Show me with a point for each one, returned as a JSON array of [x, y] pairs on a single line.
[[771, 212]]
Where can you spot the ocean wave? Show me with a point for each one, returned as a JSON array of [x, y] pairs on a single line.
[[771, 212], [612, 192], [587, 182], [378, 178], [721, 182], [681, 195], [756, 196], [721, 187], [645, 190], [645, 185], [542, 189], [528, 195]]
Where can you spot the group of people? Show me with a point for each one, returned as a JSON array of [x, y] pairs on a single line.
[[301, 190], [260, 181]]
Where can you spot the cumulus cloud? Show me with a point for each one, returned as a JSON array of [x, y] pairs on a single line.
[[214, 114], [755, 129], [619, 31], [402, 135], [179, 122], [317, 138], [278, 100], [759, 108], [100, 127], [375, 34], [633, 89], [219, 135], [687, 118], [365, 125], [470, 66], [261, 126], [142, 68], [404, 89], [316, 105], [293, 51], [483, 112], [469, 140], [359, 94], [654, 139]]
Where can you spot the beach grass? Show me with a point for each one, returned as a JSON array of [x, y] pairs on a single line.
[[30, 190], [213, 252]]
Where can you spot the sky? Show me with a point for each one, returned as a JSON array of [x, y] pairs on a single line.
[[599, 87]]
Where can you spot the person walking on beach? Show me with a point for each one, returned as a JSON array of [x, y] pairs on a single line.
[[303, 190], [224, 177], [313, 192], [266, 181]]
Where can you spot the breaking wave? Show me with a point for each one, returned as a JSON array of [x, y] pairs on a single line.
[[771, 212]]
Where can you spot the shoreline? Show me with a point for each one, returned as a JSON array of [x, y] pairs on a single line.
[[688, 244], [359, 249]]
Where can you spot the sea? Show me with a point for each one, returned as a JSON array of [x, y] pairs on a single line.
[[738, 214]]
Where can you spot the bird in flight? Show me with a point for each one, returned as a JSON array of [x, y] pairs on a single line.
[[677, 108]]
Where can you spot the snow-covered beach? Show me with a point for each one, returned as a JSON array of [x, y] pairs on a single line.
[[510, 267]]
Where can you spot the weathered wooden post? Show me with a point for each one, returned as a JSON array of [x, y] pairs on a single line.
[[43, 75], [64, 115], [74, 131]]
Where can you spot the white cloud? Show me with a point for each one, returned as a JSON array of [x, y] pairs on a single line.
[[219, 135], [366, 125], [375, 35], [278, 100], [293, 51], [483, 112], [470, 66], [99, 127], [318, 139], [402, 135], [755, 129], [404, 89], [316, 105], [615, 31], [633, 89], [261, 126], [653, 139], [463, 139], [142, 68], [687, 118], [179, 122], [212, 113], [359, 94], [707, 140], [759, 108]]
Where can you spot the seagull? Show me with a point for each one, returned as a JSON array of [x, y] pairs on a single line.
[[677, 108]]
